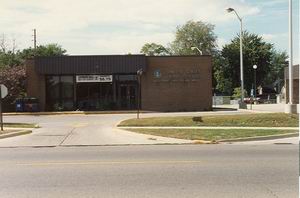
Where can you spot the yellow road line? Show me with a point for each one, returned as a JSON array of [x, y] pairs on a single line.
[[106, 163]]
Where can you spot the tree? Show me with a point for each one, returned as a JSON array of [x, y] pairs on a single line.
[[256, 52], [14, 79], [12, 57], [8, 56], [278, 63], [220, 82], [43, 50], [194, 34], [153, 49]]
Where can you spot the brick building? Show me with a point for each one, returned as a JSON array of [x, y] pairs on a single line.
[[168, 83], [295, 84]]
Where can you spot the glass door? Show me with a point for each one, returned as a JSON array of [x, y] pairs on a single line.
[[128, 96]]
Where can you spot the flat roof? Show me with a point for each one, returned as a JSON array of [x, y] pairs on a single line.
[[96, 64], [92, 64]]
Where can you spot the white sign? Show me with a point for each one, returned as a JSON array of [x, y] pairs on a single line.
[[4, 91], [94, 78]]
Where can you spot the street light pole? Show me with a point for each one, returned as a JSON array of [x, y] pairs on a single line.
[[196, 48], [290, 52], [139, 75], [242, 104], [290, 107], [254, 67]]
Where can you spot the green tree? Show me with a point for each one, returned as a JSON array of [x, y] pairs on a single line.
[[255, 52], [42, 50], [278, 63], [10, 58], [194, 34], [220, 71], [153, 49]]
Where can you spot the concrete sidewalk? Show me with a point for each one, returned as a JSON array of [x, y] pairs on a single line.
[[259, 108]]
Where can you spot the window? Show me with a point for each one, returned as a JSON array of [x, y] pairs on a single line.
[[60, 93]]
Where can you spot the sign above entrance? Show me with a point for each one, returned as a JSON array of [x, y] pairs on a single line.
[[93, 78]]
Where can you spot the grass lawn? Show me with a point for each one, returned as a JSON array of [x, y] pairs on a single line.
[[210, 134], [7, 131], [245, 120], [20, 125]]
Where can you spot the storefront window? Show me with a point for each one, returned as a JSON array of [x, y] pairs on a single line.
[[60, 93], [67, 86], [53, 87]]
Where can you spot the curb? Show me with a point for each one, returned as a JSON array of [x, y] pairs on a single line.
[[205, 142], [74, 113], [260, 138], [8, 135], [209, 127]]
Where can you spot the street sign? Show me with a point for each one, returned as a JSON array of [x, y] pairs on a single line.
[[3, 90], [3, 93]]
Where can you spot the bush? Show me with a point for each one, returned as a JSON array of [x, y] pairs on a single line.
[[237, 93]]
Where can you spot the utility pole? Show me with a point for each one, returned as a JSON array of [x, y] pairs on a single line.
[[34, 38], [291, 107], [291, 52]]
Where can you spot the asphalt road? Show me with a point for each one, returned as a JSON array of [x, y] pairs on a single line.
[[151, 171]]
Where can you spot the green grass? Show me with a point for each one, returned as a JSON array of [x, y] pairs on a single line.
[[245, 120], [7, 131], [210, 134], [20, 125]]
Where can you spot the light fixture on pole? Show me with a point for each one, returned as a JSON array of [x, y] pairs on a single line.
[[242, 104], [254, 92], [196, 48], [139, 75]]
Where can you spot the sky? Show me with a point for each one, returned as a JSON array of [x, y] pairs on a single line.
[[122, 26]]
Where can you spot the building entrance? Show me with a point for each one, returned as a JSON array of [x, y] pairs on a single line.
[[128, 96], [94, 96]]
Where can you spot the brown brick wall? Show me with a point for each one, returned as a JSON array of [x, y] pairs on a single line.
[[35, 84], [295, 91], [185, 84]]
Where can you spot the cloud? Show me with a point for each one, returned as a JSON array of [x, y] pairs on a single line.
[[124, 23], [270, 37], [221, 42]]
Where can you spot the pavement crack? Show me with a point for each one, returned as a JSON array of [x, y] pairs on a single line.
[[66, 137], [271, 192]]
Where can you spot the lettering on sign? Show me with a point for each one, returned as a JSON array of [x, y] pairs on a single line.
[[94, 78], [177, 76]]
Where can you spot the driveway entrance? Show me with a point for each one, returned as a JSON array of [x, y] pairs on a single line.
[[79, 130]]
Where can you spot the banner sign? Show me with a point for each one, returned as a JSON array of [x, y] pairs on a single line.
[[93, 78]]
